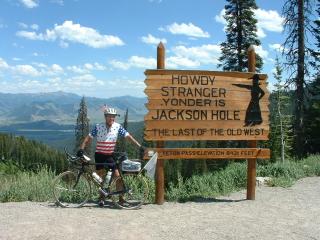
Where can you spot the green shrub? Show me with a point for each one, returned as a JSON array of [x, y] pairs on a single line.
[[26, 186], [18, 185], [208, 185]]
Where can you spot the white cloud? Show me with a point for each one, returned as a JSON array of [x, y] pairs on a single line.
[[205, 54], [268, 20], [86, 68], [220, 18], [95, 66], [153, 40], [142, 62], [119, 64], [182, 56], [26, 70], [29, 3], [34, 27], [178, 61], [86, 80], [75, 33], [23, 25], [135, 61], [56, 69], [186, 29], [77, 69], [3, 64], [262, 53], [276, 46]]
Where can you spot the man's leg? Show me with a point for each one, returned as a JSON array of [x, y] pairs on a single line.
[[102, 174], [119, 185]]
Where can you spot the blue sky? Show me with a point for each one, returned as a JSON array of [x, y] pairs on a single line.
[[101, 48]]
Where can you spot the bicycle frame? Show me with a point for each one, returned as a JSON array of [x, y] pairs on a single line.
[[88, 172]]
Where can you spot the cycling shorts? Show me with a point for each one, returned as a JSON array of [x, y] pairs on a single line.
[[102, 158]]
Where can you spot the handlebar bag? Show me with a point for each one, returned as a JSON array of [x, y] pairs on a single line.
[[130, 166]]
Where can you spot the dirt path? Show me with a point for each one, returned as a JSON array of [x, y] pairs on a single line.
[[277, 213]]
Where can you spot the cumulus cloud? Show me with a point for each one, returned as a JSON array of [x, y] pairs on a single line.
[[153, 40], [86, 68], [119, 64], [182, 56], [134, 61], [220, 18], [205, 54], [186, 29], [70, 32], [26, 70], [179, 61], [268, 20], [261, 52], [40, 77], [29, 3], [276, 47], [3, 64]]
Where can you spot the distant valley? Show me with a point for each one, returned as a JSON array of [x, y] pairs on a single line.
[[51, 117], [62, 108]]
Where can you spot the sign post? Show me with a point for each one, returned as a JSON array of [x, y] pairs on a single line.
[[252, 163], [160, 144], [193, 105]]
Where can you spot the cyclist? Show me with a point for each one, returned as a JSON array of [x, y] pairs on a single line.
[[106, 134]]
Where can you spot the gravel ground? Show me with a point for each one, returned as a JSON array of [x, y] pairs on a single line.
[[277, 213]]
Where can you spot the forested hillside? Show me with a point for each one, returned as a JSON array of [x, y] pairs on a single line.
[[29, 154]]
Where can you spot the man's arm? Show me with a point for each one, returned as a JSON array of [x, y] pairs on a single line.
[[132, 139], [86, 142]]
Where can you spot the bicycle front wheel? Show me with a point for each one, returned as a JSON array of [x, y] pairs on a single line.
[[71, 190], [129, 191]]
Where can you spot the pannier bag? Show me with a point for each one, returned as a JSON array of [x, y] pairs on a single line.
[[130, 166]]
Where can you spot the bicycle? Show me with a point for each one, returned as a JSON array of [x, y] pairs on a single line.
[[73, 188]]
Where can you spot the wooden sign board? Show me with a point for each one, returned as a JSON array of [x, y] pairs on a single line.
[[210, 153], [206, 105]]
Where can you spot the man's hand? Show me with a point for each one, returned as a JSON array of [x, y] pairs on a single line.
[[80, 153]]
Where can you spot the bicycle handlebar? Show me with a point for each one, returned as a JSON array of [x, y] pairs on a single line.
[[119, 157]]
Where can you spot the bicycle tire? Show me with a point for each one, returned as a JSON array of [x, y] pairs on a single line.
[[69, 194], [137, 192]]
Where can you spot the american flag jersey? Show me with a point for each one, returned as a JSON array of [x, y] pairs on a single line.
[[107, 137]]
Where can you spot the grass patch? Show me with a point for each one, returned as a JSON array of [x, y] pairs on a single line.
[[19, 185]]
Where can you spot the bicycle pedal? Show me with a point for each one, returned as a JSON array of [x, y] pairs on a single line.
[[101, 203]]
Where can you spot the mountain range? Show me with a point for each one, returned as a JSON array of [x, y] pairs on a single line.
[[62, 108]]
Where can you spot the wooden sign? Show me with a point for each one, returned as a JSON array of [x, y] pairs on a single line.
[[210, 153], [206, 105]]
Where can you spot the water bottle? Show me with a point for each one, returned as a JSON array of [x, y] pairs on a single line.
[[97, 177], [108, 176]]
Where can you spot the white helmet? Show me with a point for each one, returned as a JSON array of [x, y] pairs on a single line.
[[110, 111]]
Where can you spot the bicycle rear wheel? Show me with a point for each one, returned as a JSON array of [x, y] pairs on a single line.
[[133, 191], [69, 191]]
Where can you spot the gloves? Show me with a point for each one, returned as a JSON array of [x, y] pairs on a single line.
[[80, 153]]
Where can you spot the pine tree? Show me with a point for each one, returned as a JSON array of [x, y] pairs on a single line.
[[121, 145], [241, 33], [315, 53], [313, 118], [313, 106], [297, 52], [82, 126], [281, 134]]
